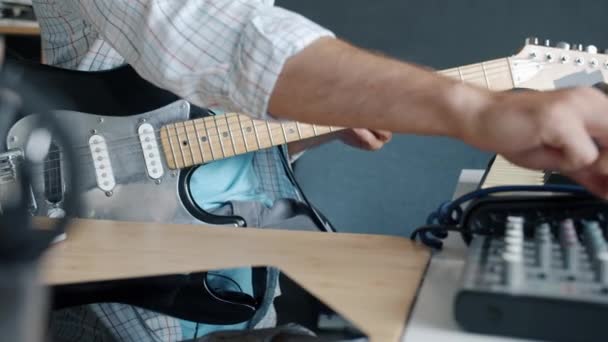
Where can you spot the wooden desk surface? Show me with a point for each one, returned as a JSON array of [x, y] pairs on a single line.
[[371, 280]]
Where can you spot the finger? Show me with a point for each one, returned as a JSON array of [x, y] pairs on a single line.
[[367, 140], [541, 158], [569, 135], [382, 135], [595, 183], [601, 163], [596, 111]]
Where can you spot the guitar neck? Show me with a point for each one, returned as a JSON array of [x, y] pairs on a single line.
[[208, 139], [212, 138]]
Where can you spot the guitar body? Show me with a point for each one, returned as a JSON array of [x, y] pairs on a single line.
[[120, 186]]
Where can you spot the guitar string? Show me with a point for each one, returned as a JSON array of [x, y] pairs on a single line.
[[185, 125]]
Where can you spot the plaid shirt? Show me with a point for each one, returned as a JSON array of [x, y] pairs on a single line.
[[213, 53]]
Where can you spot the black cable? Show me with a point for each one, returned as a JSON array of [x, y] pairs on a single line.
[[322, 221], [196, 331], [438, 230]]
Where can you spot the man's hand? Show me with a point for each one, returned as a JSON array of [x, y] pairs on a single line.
[[563, 130], [365, 139]]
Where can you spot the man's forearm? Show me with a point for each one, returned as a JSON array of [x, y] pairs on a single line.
[[333, 83]]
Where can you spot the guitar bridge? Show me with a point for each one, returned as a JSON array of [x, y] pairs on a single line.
[[10, 183]]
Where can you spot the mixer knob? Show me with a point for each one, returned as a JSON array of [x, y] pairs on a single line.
[[591, 49], [563, 45]]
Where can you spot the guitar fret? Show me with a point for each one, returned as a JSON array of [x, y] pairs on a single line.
[[198, 141], [284, 133], [299, 131], [228, 134], [237, 146], [257, 136], [179, 144], [243, 133], [219, 137], [460, 74], [251, 131], [209, 139], [276, 133], [270, 133], [194, 162], [173, 162], [314, 129], [306, 131], [290, 131], [485, 75]]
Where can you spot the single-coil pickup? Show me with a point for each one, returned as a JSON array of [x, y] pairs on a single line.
[[101, 161], [147, 138]]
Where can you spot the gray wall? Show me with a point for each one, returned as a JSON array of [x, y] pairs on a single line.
[[392, 191]]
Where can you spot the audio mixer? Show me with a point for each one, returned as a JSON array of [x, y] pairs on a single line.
[[536, 268]]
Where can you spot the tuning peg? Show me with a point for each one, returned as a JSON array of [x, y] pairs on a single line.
[[532, 41], [563, 45], [591, 49]]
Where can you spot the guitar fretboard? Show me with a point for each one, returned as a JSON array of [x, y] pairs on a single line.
[[204, 140]]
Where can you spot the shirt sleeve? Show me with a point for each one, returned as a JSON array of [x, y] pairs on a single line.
[[213, 53]]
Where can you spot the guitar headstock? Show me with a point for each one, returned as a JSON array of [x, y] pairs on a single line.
[[542, 65]]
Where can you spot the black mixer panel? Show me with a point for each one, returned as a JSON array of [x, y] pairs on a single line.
[[536, 268]]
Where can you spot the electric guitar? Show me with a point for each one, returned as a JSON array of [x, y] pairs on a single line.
[[137, 167]]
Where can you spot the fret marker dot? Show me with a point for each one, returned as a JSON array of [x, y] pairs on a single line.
[[225, 134], [185, 142], [204, 139], [291, 131], [248, 129]]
